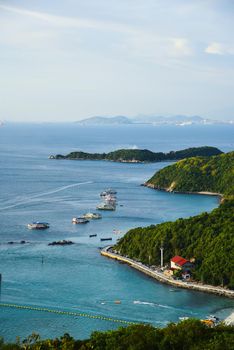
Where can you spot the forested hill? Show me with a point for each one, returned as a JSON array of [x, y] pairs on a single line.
[[207, 237], [141, 155], [213, 174]]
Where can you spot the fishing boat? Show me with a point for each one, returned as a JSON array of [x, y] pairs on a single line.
[[91, 216], [38, 225], [106, 239], [79, 221], [93, 235]]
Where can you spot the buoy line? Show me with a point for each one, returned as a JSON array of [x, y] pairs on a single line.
[[62, 312]]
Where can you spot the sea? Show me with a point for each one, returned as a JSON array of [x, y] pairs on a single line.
[[52, 290]]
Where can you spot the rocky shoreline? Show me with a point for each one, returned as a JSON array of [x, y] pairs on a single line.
[[203, 193]]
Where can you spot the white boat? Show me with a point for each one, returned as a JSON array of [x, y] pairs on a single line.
[[38, 225], [91, 216], [107, 192], [110, 198], [79, 221], [106, 206]]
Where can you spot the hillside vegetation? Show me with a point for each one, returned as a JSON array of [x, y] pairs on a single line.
[[209, 238], [138, 155], [187, 335], [213, 174]]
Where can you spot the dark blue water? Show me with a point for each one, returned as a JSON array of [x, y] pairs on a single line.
[[76, 277]]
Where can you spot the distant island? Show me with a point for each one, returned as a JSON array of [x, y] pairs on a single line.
[[207, 239], [105, 120], [140, 156], [177, 120]]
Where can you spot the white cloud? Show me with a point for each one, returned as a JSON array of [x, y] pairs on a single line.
[[216, 48], [181, 47]]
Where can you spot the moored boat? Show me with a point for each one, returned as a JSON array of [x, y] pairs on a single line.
[[38, 225], [79, 221], [109, 191], [91, 216], [106, 206]]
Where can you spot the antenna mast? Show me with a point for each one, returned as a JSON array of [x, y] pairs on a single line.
[[162, 249]]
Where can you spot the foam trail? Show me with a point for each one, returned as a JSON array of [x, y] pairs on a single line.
[[59, 189]]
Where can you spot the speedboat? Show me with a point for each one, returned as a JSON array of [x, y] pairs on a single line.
[[38, 225]]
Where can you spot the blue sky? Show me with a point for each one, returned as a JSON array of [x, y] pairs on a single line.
[[65, 60]]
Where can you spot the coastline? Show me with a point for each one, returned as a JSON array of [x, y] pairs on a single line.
[[159, 276], [201, 193]]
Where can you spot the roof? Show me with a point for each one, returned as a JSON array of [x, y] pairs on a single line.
[[178, 260]]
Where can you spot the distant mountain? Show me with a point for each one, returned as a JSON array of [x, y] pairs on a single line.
[[180, 120], [105, 120]]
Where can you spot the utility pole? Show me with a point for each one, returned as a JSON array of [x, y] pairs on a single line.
[[161, 249]]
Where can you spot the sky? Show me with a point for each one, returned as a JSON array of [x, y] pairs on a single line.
[[66, 60]]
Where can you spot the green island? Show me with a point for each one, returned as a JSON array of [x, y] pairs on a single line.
[[187, 335], [207, 239], [197, 174], [141, 155]]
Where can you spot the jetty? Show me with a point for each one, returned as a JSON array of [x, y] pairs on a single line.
[[158, 274]]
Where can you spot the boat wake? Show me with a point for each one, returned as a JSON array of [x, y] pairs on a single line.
[[31, 198], [161, 306]]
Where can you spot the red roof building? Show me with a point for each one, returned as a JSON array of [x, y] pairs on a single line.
[[177, 262]]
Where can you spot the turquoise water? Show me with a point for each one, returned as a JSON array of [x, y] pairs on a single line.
[[77, 278]]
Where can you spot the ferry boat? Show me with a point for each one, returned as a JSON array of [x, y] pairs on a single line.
[[79, 221], [38, 225], [91, 216], [106, 206]]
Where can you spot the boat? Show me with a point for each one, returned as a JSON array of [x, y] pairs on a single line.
[[63, 242], [107, 192], [38, 225], [91, 216], [79, 221], [110, 198], [106, 206], [94, 235], [106, 239]]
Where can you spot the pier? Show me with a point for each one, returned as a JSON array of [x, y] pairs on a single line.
[[158, 275]]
